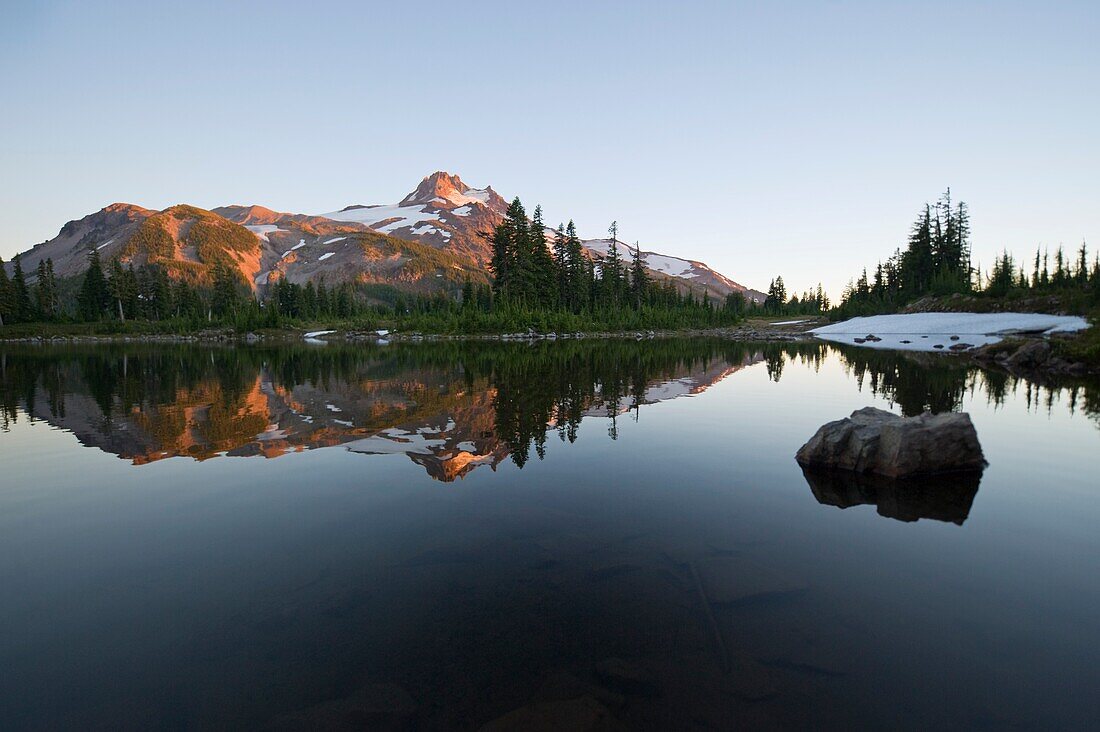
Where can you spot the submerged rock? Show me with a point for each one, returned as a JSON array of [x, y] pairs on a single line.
[[876, 441]]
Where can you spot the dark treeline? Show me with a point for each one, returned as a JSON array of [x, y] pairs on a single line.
[[147, 293], [811, 302], [532, 274], [937, 261], [22, 303]]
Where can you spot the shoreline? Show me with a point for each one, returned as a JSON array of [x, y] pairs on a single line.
[[749, 331], [1034, 357]]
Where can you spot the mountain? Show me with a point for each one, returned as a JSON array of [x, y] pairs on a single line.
[[446, 213], [260, 244], [686, 272], [301, 248], [443, 212], [69, 249], [187, 241], [434, 238]]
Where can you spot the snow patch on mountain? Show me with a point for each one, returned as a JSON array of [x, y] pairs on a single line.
[[429, 229], [371, 216], [673, 266], [262, 230]]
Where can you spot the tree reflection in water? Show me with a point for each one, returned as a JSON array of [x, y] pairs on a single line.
[[450, 406]]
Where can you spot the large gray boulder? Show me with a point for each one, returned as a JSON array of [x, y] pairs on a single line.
[[876, 441]]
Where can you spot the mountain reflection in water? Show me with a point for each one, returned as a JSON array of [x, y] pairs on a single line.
[[450, 407]]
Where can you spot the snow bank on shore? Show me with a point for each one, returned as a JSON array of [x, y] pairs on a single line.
[[944, 331]]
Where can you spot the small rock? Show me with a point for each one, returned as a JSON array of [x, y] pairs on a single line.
[[954, 338]]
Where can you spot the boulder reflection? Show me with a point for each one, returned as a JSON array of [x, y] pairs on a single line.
[[946, 497]]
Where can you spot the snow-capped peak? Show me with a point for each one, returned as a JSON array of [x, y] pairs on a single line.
[[441, 188]]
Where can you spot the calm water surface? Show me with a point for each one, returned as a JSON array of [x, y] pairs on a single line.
[[439, 536]]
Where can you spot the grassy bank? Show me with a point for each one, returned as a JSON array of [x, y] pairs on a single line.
[[1083, 347]]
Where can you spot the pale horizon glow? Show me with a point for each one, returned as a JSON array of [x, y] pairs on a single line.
[[798, 139]]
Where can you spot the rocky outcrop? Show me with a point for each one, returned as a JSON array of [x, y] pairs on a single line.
[[1031, 358], [876, 441]]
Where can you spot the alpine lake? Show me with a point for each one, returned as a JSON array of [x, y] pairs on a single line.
[[558, 535]]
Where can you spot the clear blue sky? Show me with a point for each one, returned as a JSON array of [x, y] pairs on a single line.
[[762, 138]]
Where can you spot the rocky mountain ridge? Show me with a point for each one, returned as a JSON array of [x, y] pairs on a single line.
[[433, 238]]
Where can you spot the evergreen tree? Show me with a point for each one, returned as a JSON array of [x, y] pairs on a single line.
[[777, 295], [122, 286], [309, 300], [611, 270], [21, 297], [468, 298], [344, 304], [185, 301], [580, 269], [639, 278], [6, 300], [1001, 280], [226, 295], [543, 277], [510, 257], [45, 290], [162, 292], [561, 264], [1094, 280], [94, 296], [1060, 273], [918, 264]]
